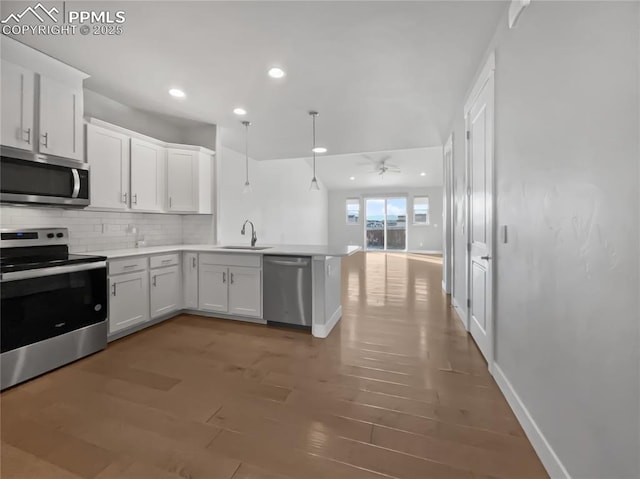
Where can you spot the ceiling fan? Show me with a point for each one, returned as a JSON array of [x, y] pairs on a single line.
[[381, 166]]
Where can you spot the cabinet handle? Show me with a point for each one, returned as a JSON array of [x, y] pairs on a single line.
[[169, 201], [224, 277], [45, 143], [154, 280], [28, 132], [165, 261], [135, 199], [231, 278], [113, 289], [127, 266], [193, 261], [124, 198]]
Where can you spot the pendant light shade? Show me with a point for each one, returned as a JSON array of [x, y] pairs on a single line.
[[314, 181], [247, 186]]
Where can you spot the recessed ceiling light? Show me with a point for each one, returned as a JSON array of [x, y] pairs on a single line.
[[240, 111], [319, 149], [352, 178], [276, 72], [423, 174], [176, 93]]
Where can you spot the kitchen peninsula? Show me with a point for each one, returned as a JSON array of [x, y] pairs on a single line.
[[148, 285]]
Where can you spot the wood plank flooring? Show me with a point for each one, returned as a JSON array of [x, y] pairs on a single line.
[[398, 390]]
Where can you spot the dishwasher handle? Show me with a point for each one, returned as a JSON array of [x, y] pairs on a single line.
[[293, 264]]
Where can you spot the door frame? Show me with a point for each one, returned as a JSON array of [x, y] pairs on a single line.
[[448, 271], [385, 197], [487, 72]]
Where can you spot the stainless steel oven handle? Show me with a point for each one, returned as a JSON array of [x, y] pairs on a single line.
[[76, 183], [293, 264], [52, 271]]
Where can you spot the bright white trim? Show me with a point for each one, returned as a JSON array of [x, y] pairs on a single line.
[[462, 313], [323, 330], [547, 455], [488, 68]]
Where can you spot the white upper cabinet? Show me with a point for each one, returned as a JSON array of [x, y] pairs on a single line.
[[182, 180], [18, 93], [148, 164], [60, 119], [108, 155]]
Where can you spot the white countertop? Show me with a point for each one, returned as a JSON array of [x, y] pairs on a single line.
[[283, 250]]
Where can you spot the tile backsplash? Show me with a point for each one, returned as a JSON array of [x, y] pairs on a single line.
[[97, 230]]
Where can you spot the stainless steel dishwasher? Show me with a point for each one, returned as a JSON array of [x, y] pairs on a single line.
[[287, 290]]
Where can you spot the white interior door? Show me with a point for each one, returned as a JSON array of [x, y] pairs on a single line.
[[447, 209], [480, 183]]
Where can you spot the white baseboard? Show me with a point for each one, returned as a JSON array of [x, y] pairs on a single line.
[[462, 313], [423, 251], [549, 459], [323, 330]]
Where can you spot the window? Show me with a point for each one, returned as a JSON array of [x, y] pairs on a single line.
[[421, 210], [353, 211]]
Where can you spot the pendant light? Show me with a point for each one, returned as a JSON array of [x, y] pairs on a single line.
[[247, 185], [314, 181]]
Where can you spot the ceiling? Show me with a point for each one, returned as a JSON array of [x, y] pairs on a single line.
[[336, 171], [383, 75]]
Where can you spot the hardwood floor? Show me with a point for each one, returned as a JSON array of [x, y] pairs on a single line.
[[397, 390]]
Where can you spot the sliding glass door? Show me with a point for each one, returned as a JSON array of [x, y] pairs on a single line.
[[386, 224]]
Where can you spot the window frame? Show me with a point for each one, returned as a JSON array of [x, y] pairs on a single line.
[[427, 221], [354, 201]]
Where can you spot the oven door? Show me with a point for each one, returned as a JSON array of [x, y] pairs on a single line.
[[44, 303], [26, 177]]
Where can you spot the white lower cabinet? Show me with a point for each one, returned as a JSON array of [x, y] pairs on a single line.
[[230, 284], [143, 288], [190, 280], [128, 300], [213, 288], [166, 290], [245, 291]]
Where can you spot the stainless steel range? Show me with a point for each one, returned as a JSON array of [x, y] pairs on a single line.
[[54, 304]]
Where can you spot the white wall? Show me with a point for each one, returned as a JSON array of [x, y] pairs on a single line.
[[281, 206], [162, 127], [566, 154], [420, 237]]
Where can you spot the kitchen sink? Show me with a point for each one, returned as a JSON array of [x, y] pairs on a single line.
[[255, 248]]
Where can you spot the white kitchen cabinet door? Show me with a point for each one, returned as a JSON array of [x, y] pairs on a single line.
[[190, 280], [128, 300], [166, 290], [245, 291], [147, 174], [182, 180], [213, 288], [60, 119], [18, 94], [108, 156]]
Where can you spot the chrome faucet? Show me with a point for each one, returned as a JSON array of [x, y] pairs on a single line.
[[254, 237]]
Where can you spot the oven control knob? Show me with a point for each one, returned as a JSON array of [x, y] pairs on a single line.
[[59, 235], [49, 235]]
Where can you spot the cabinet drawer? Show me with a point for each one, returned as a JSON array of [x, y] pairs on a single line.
[[249, 260], [164, 260], [127, 265]]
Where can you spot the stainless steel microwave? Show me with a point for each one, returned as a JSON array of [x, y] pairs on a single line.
[[28, 177]]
